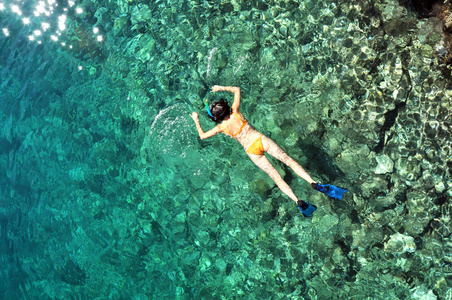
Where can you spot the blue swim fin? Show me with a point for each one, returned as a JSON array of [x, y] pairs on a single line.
[[306, 208], [330, 190]]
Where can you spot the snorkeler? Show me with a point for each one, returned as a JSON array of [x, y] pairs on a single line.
[[232, 123]]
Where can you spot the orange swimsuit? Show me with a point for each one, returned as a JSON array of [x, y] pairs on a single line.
[[235, 134], [256, 147]]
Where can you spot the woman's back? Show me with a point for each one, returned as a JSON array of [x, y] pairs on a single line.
[[237, 127]]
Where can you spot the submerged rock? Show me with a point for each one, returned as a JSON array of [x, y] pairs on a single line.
[[422, 293], [399, 243], [141, 13], [385, 164]]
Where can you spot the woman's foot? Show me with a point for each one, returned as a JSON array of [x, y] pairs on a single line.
[[306, 208], [330, 190]]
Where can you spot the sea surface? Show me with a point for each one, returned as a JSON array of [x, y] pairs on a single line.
[[107, 192]]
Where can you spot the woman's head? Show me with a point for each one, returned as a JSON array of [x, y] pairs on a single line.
[[220, 110]]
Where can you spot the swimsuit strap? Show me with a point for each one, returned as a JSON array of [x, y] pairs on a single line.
[[238, 117], [226, 129], [243, 125]]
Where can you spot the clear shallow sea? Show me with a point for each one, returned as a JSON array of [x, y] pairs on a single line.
[[107, 192]]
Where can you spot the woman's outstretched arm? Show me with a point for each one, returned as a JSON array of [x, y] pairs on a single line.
[[233, 89], [204, 135]]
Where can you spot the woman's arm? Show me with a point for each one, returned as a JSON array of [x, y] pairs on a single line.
[[233, 89], [204, 135]]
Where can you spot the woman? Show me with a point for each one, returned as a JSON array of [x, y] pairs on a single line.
[[232, 123]]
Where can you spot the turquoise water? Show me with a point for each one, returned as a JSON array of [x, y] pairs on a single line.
[[106, 190]]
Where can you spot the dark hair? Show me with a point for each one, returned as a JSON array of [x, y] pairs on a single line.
[[220, 110]]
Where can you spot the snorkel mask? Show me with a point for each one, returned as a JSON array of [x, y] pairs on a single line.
[[208, 109], [217, 107]]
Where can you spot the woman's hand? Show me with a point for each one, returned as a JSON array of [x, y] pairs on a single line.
[[194, 116], [217, 88]]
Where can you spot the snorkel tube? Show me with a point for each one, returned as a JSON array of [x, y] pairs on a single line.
[[208, 109]]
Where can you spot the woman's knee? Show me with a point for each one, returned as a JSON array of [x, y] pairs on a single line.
[[290, 161], [281, 155]]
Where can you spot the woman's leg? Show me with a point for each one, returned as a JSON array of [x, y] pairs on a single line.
[[277, 152], [262, 162]]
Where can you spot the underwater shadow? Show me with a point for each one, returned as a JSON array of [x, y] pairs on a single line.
[[320, 162]]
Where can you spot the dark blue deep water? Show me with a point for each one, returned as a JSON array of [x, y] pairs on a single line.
[[106, 191]]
